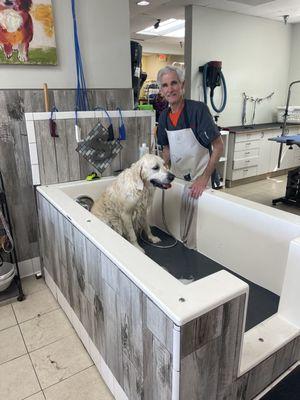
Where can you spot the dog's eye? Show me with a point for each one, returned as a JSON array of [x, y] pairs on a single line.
[[156, 168]]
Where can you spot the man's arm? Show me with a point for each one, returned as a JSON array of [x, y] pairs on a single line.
[[197, 188]]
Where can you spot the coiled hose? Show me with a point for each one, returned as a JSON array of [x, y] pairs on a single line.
[[223, 83]]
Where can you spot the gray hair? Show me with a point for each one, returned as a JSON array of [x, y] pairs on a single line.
[[168, 69]]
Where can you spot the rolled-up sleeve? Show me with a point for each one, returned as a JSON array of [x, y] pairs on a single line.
[[207, 130], [162, 136]]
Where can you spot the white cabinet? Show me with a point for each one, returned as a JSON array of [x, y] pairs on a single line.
[[252, 153], [268, 153], [222, 164], [243, 155]]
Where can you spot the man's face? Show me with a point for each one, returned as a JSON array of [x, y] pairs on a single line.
[[171, 88]]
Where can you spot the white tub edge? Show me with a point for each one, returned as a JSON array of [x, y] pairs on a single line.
[[162, 288]]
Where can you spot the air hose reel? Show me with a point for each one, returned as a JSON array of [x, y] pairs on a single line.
[[213, 77]]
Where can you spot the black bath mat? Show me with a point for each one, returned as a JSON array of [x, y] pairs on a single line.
[[287, 389], [190, 265]]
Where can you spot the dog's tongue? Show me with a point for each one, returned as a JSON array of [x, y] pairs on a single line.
[[167, 185]]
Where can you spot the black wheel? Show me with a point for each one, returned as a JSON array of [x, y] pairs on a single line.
[[21, 297]]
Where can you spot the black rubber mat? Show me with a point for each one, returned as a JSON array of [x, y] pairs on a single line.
[[184, 263], [287, 389]]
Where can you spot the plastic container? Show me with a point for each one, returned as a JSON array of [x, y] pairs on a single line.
[[145, 107], [293, 114], [144, 149]]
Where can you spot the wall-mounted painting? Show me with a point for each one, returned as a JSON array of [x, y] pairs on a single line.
[[27, 32]]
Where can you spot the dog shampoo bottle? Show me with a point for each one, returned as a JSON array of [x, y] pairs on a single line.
[[144, 149]]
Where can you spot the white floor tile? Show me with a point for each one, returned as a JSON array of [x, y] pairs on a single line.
[[18, 379], [35, 304], [11, 344], [7, 317], [37, 396], [60, 360], [264, 191], [86, 385], [46, 329], [32, 285]]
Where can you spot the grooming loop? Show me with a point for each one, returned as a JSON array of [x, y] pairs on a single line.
[[255, 101], [6, 241]]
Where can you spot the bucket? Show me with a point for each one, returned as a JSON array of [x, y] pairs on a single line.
[[7, 273]]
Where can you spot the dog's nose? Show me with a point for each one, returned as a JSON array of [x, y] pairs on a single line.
[[170, 176]]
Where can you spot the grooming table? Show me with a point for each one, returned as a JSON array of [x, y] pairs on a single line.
[[292, 193], [288, 140]]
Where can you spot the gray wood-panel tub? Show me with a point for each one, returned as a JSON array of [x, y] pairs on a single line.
[[150, 336], [15, 160]]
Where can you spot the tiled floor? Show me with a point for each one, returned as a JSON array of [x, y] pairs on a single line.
[[264, 192], [41, 356]]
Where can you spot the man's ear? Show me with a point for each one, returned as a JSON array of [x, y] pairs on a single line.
[[183, 86]]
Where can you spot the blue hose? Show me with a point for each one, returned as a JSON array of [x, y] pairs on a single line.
[[217, 110], [82, 103]]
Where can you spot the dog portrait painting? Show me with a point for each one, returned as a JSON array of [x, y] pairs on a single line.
[[27, 32], [125, 204]]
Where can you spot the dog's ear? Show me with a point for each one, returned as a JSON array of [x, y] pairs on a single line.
[[137, 175]]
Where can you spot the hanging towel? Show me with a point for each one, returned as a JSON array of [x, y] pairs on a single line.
[[188, 219]]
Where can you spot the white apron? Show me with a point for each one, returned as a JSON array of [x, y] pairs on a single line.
[[188, 156]]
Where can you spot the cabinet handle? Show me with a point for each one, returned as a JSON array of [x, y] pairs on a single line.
[[247, 160], [248, 144], [247, 152], [245, 170]]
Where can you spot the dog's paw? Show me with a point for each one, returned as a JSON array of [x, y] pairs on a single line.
[[154, 239]]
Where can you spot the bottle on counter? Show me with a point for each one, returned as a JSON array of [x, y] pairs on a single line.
[[144, 149]]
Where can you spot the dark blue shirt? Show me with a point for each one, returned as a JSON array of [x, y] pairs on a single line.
[[195, 115]]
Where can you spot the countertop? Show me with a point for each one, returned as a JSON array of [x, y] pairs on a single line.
[[259, 127]]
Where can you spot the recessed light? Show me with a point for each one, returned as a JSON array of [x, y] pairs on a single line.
[[143, 3]]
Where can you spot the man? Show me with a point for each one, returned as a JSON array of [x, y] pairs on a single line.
[[191, 140]]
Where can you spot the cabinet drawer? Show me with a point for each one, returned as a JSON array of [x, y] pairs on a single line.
[[244, 173], [245, 137], [245, 162], [250, 144], [238, 155]]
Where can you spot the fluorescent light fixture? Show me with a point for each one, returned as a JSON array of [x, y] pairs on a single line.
[[179, 33], [171, 27], [143, 3]]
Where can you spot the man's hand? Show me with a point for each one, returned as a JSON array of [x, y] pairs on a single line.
[[198, 186]]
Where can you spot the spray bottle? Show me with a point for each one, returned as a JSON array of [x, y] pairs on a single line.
[[144, 149]]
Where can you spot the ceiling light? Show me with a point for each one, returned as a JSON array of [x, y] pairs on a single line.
[[170, 27], [143, 3]]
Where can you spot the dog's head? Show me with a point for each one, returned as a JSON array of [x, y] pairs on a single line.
[[153, 172]]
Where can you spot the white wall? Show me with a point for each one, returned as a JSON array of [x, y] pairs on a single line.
[[156, 46], [294, 74], [255, 53], [105, 48]]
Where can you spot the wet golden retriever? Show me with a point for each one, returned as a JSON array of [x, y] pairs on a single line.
[[125, 204]]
